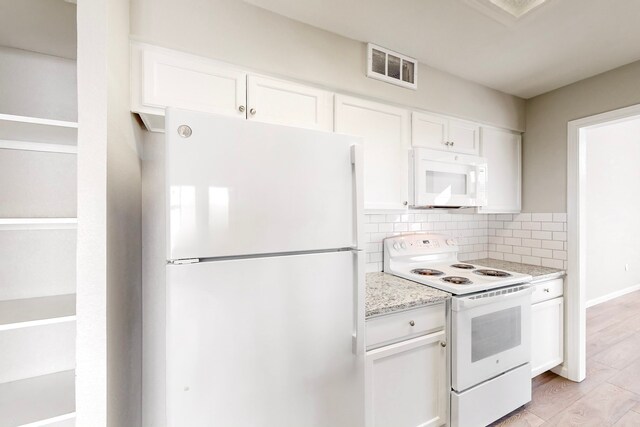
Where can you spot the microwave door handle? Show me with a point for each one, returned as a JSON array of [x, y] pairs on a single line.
[[460, 304]]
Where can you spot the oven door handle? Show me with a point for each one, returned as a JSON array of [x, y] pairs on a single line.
[[492, 297]]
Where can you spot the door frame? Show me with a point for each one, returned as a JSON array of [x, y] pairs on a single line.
[[574, 367]]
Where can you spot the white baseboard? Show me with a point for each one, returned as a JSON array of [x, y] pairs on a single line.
[[612, 295]]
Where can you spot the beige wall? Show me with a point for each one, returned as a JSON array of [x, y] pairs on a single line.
[[109, 347], [236, 32], [545, 139], [613, 202]]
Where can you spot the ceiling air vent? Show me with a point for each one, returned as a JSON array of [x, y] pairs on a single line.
[[391, 67]]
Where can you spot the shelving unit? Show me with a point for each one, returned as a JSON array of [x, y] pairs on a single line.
[[38, 223], [30, 312], [37, 333], [38, 401], [35, 130]]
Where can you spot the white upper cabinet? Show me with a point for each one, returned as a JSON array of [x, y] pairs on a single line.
[[429, 131], [385, 131], [173, 79], [502, 149], [443, 133], [281, 102], [163, 78], [464, 136]]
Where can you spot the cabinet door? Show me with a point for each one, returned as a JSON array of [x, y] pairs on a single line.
[[385, 132], [464, 136], [429, 131], [192, 83], [547, 335], [502, 150], [280, 102], [405, 384]]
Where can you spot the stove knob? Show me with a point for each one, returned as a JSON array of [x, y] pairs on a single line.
[[403, 245], [451, 242], [396, 246]]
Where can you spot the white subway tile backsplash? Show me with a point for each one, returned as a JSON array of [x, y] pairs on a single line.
[[560, 255], [560, 217], [542, 235], [521, 250], [559, 235], [523, 217], [505, 249], [513, 241], [512, 258], [531, 243], [531, 260], [400, 226], [553, 263], [385, 227], [552, 244], [552, 226], [525, 234], [542, 253], [530, 226], [504, 233], [532, 238]]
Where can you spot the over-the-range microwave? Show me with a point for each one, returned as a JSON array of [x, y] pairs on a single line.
[[441, 179]]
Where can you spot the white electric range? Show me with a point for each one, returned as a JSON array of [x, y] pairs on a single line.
[[490, 325]]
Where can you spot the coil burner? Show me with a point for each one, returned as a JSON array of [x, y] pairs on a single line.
[[427, 272], [464, 266], [492, 273], [457, 280]]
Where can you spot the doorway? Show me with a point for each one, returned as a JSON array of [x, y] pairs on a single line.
[[576, 302]]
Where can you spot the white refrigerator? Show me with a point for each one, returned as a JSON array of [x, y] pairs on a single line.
[[265, 274]]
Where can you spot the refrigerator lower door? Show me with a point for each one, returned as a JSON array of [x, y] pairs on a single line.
[[238, 187], [265, 342]]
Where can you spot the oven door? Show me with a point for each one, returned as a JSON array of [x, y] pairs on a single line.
[[448, 179], [491, 334]]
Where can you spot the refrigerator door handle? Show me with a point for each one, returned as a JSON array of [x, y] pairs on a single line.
[[357, 161], [358, 302]]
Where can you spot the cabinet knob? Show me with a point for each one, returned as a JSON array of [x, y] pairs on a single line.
[[452, 143], [443, 343], [241, 108], [405, 203], [447, 143], [546, 289], [412, 323], [252, 111]]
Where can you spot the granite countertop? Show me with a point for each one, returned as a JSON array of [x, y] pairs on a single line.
[[387, 293], [537, 272]]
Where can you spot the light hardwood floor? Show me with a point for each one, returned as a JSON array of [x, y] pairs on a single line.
[[610, 395]]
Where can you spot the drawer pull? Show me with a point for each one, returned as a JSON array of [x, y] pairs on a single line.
[[546, 290], [443, 343], [412, 323]]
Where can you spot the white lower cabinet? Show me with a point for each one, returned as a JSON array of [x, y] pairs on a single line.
[[406, 383], [547, 328]]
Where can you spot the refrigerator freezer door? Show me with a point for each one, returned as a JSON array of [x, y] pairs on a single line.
[[239, 187], [264, 342]]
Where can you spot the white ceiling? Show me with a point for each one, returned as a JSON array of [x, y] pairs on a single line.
[[556, 44], [44, 26]]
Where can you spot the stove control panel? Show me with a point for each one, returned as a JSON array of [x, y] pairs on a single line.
[[417, 244]]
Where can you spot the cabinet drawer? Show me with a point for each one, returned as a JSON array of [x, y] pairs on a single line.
[[404, 325], [547, 290]]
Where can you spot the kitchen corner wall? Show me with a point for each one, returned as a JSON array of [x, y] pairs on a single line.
[[529, 238]]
